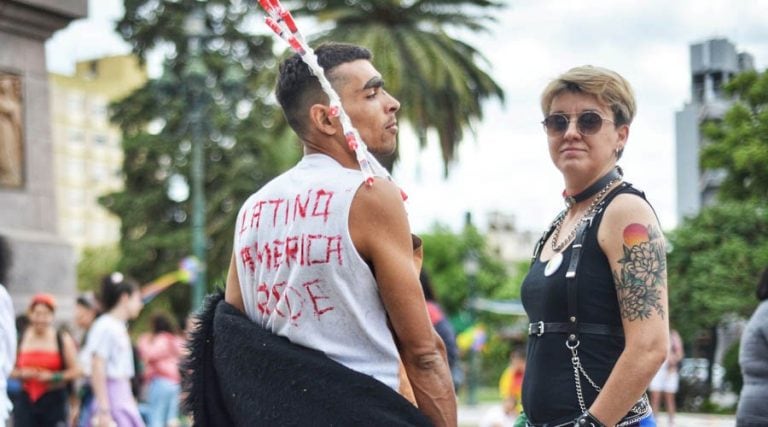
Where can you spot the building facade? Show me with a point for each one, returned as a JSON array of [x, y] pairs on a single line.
[[506, 241], [88, 154], [713, 63]]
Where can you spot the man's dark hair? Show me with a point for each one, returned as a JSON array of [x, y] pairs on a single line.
[[5, 260], [297, 88], [762, 286]]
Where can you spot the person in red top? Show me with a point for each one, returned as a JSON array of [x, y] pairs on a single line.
[[46, 362], [160, 351]]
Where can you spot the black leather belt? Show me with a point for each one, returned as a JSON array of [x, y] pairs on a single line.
[[541, 328]]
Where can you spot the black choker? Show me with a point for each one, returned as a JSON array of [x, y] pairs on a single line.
[[593, 189]]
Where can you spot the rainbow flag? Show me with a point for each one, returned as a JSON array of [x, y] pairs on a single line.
[[186, 273]]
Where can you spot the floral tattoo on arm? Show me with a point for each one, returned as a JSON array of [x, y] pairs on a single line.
[[642, 275]]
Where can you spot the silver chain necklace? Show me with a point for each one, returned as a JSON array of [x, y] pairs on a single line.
[[556, 234]]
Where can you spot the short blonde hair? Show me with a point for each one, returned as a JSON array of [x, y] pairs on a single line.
[[607, 86]]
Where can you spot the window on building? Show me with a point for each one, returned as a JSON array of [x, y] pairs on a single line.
[[99, 111], [698, 88], [100, 139], [76, 227], [75, 169], [99, 173], [75, 103], [76, 197], [76, 137]]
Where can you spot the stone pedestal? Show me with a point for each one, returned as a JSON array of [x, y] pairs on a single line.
[[42, 260]]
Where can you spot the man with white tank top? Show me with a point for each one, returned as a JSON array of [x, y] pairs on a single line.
[[327, 260]]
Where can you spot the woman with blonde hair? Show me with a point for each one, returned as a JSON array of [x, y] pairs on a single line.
[[596, 292]]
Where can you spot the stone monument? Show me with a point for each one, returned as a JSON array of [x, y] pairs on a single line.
[[42, 260]]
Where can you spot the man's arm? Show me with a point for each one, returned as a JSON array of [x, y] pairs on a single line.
[[380, 231], [632, 241]]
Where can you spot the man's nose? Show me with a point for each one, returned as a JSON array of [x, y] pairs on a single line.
[[395, 104]]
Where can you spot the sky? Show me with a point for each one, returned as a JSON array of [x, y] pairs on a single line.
[[504, 165]]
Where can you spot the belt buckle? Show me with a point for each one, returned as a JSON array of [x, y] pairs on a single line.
[[539, 331]]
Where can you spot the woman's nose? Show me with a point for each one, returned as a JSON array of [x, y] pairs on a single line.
[[572, 130]]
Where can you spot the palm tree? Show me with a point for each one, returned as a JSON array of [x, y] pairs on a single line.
[[435, 76]]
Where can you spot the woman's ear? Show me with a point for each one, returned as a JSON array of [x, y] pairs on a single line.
[[320, 120], [623, 135]]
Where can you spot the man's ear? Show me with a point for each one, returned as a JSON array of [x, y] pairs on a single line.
[[319, 118]]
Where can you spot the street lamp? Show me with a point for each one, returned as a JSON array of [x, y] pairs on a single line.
[[471, 268], [194, 28]]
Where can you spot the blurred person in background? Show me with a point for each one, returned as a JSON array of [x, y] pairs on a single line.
[[596, 291], [667, 380], [108, 354], [752, 410], [160, 352], [501, 415], [8, 334], [443, 327], [511, 380], [45, 364], [86, 312]]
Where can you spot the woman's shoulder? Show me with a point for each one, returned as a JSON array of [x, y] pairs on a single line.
[[629, 203], [105, 324]]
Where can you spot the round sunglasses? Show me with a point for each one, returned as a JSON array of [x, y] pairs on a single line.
[[588, 123]]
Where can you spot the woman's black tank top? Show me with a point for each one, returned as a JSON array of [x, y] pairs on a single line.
[[549, 389]]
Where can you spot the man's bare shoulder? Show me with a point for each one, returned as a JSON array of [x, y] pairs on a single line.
[[377, 216], [379, 198]]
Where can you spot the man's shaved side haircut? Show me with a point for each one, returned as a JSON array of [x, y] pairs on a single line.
[[297, 88]]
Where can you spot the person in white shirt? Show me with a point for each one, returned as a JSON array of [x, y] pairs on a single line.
[[109, 356]]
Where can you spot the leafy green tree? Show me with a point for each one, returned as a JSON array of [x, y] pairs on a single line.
[[94, 264], [716, 256], [713, 268], [444, 253], [435, 76], [714, 264], [217, 94], [739, 143]]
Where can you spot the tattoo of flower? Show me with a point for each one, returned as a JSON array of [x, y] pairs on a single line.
[[642, 275]]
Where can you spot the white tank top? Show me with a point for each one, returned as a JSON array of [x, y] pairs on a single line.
[[300, 274]]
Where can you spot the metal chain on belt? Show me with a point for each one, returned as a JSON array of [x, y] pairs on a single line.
[[578, 368], [639, 409]]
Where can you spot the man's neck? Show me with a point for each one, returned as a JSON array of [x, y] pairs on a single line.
[[332, 149]]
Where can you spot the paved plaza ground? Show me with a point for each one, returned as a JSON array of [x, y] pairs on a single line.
[[470, 416]]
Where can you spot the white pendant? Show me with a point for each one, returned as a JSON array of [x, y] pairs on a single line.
[[553, 264]]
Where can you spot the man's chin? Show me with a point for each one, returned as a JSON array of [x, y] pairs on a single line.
[[385, 156], [383, 150]]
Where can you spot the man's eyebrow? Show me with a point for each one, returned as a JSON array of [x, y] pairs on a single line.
[[374, 82]]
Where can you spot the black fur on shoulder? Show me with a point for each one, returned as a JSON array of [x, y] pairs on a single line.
[[239, 374], [199, 380]]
